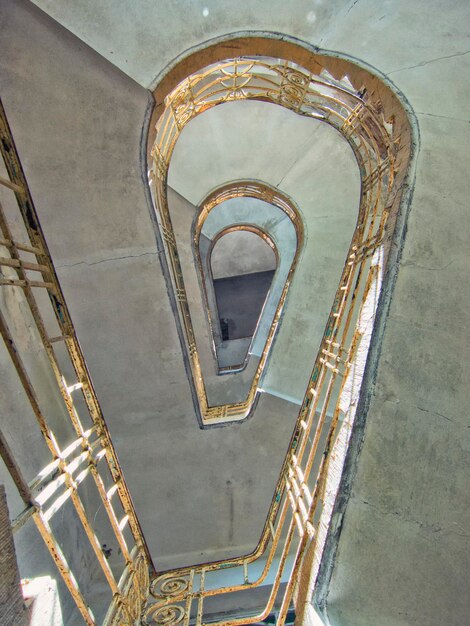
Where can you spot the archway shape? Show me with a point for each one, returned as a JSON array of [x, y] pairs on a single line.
[[375, 122], [284, 206], [238, 274]]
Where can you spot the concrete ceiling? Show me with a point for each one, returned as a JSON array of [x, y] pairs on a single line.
[[249, 252], [142, 38], [403, 553]]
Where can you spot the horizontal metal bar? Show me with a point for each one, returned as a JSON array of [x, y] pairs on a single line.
[[21, 519], [51, 467], [112, 491], [24, 264], [26, 283], [65, 470], [9, 243], [60, 338], [13, 186], [74, 387]]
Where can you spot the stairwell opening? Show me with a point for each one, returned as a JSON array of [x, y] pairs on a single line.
[[242, 262], [375, 122]]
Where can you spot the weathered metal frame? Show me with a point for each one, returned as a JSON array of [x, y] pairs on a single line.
[[371, 119], [92, 453]]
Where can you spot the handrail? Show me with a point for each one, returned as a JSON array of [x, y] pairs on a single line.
[[300, 511], [92, 453], [302, 503]]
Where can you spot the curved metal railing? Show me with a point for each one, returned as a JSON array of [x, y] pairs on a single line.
[[294, 533], [301, 508], [260, 191]]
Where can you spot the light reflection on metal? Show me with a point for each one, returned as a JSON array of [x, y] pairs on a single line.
[[92, 453], [266, 193], [281, 83], [301, 507], [300, 511]]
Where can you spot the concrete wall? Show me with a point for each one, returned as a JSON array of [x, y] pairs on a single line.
[[403, 552], [77, 122], [240, 253]]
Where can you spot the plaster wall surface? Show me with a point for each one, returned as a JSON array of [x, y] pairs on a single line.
[[77, 123], [246, 140], [241, 253], [403, 551]]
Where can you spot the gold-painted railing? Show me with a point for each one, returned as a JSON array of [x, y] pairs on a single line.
[[26, 265], [372, 120], [300, 512], [266, 193], [320, 97]]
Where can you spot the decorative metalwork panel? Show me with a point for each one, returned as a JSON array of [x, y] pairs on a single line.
[[301, 507], [91, 454]]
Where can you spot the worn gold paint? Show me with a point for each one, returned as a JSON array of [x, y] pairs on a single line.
[[261, 191], [353, 104], [59, 481]]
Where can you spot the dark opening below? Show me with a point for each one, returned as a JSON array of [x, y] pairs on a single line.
[[240, 301]]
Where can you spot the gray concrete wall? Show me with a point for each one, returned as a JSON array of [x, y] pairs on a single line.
[[240, 253], [404, 551], [77, 122]]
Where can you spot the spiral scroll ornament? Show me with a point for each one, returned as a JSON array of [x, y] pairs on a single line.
[[169, 587], [168, 615]]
